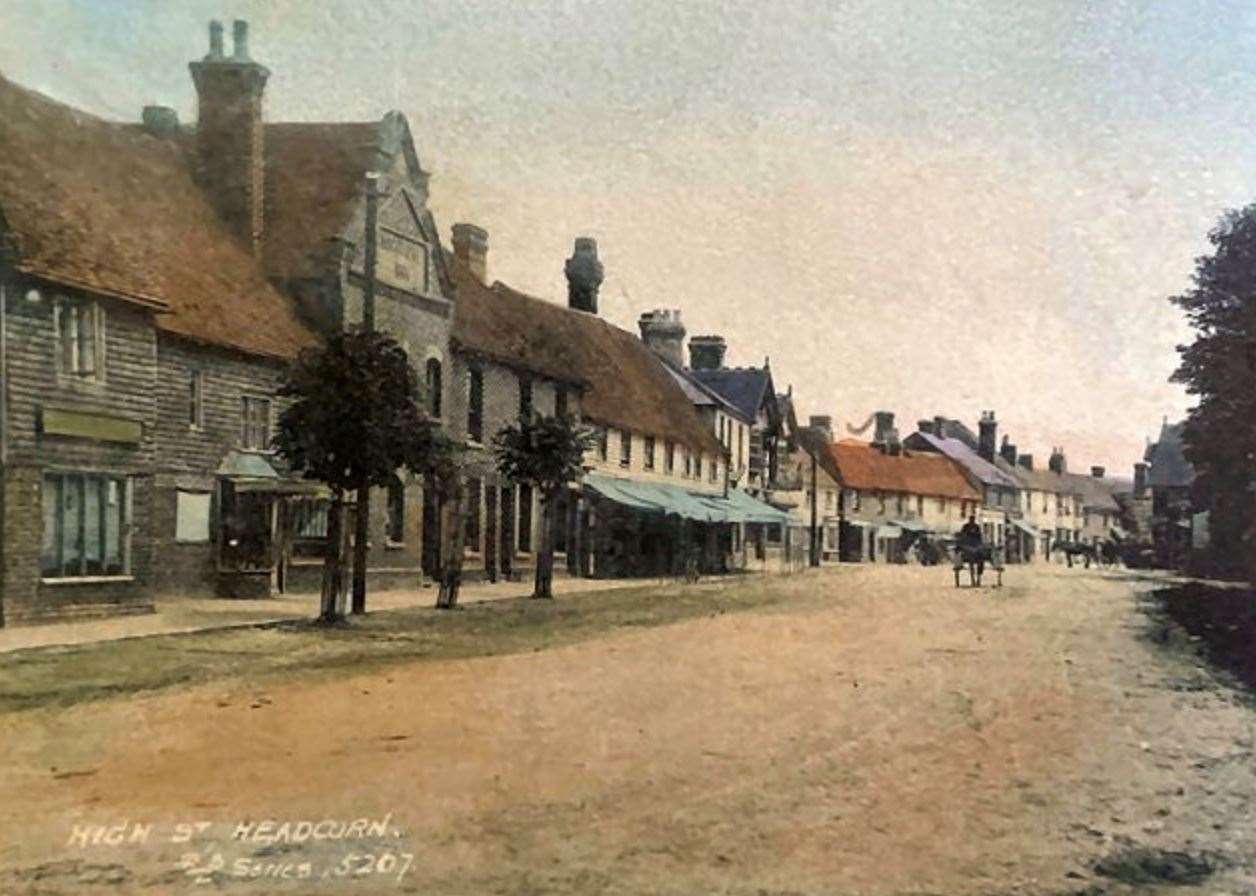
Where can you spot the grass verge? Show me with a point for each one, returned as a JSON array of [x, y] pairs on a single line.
[[63, 676]]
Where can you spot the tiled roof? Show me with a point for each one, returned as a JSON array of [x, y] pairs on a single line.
[[314, 177], [861, 465], [983, 470], [108, 208], [626, 385], [746, 388], [1169, 466]]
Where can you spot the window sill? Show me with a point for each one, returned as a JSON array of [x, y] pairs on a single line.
[[87, 580]]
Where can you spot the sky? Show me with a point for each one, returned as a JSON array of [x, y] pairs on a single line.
[[927, 208]]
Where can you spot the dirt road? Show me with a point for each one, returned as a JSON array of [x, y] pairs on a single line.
[[877, 732]]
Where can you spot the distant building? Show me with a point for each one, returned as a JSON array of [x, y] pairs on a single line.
[[1170, 479]]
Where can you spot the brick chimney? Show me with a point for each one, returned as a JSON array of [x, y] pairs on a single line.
[[1007, 451], [230, 149], [885, 435], [1097, 472], [925, 426], [663, 332], [939, 426], [1056, 463], [707, 352], [584, 275], [987, 435], [1140, 480], [823, 423], [470, 245], [1026, 461]]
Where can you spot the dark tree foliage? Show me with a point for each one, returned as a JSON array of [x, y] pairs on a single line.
[[356, 418], [1219, 368], [547, 453]]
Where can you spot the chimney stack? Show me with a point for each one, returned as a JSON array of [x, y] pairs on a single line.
[[925, 426], [1056, 463], [230, 149], [1026, 461], [707, 352], [1140, 480], [663, 332], [823, 423], [885, 433], [1007, 451], [939, 426], [987, 430], [470, 244], [584, 275], [1097, 472]]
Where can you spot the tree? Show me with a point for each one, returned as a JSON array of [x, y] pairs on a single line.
[[546, 453], [1219, 367], [356, 418]]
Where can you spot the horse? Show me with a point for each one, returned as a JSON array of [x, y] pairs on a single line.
[[1109, 553], [975, 557], [1071, 549]]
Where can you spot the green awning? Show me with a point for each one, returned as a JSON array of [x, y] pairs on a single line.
[[654, 497], [243, 465]]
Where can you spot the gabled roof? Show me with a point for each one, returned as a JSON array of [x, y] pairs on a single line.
[[108, 208], [1047, 481], [981, 469], [1169, 466], [861, 465], [746, 388], [626, 385], [1097, 493]]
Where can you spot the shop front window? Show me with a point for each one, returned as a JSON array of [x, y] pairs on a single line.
[[85, 526]]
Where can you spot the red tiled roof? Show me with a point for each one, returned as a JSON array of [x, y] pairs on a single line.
[[626, 386], [109, 208], [862, 466]]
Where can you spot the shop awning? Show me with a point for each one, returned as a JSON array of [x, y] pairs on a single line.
[[911, 525], [253, 473], [652, 497], [889, 532], [1025, 527]]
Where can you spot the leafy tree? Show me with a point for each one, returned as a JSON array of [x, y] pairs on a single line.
[[1219, 367], [546, 453], [356, 419]]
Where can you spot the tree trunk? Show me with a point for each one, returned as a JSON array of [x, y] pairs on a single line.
[[453, 531], [545, 556], [333, 568], [361, 539]]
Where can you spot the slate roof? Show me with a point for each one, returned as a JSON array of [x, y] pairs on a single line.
[[981, 469], [704, 396], [862, 466], [1169, 466], [108, 208], [746, 388], [626, 385]]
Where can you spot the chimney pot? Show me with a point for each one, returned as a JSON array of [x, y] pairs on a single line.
[[240, 40], [215, 40], [939, 426]]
